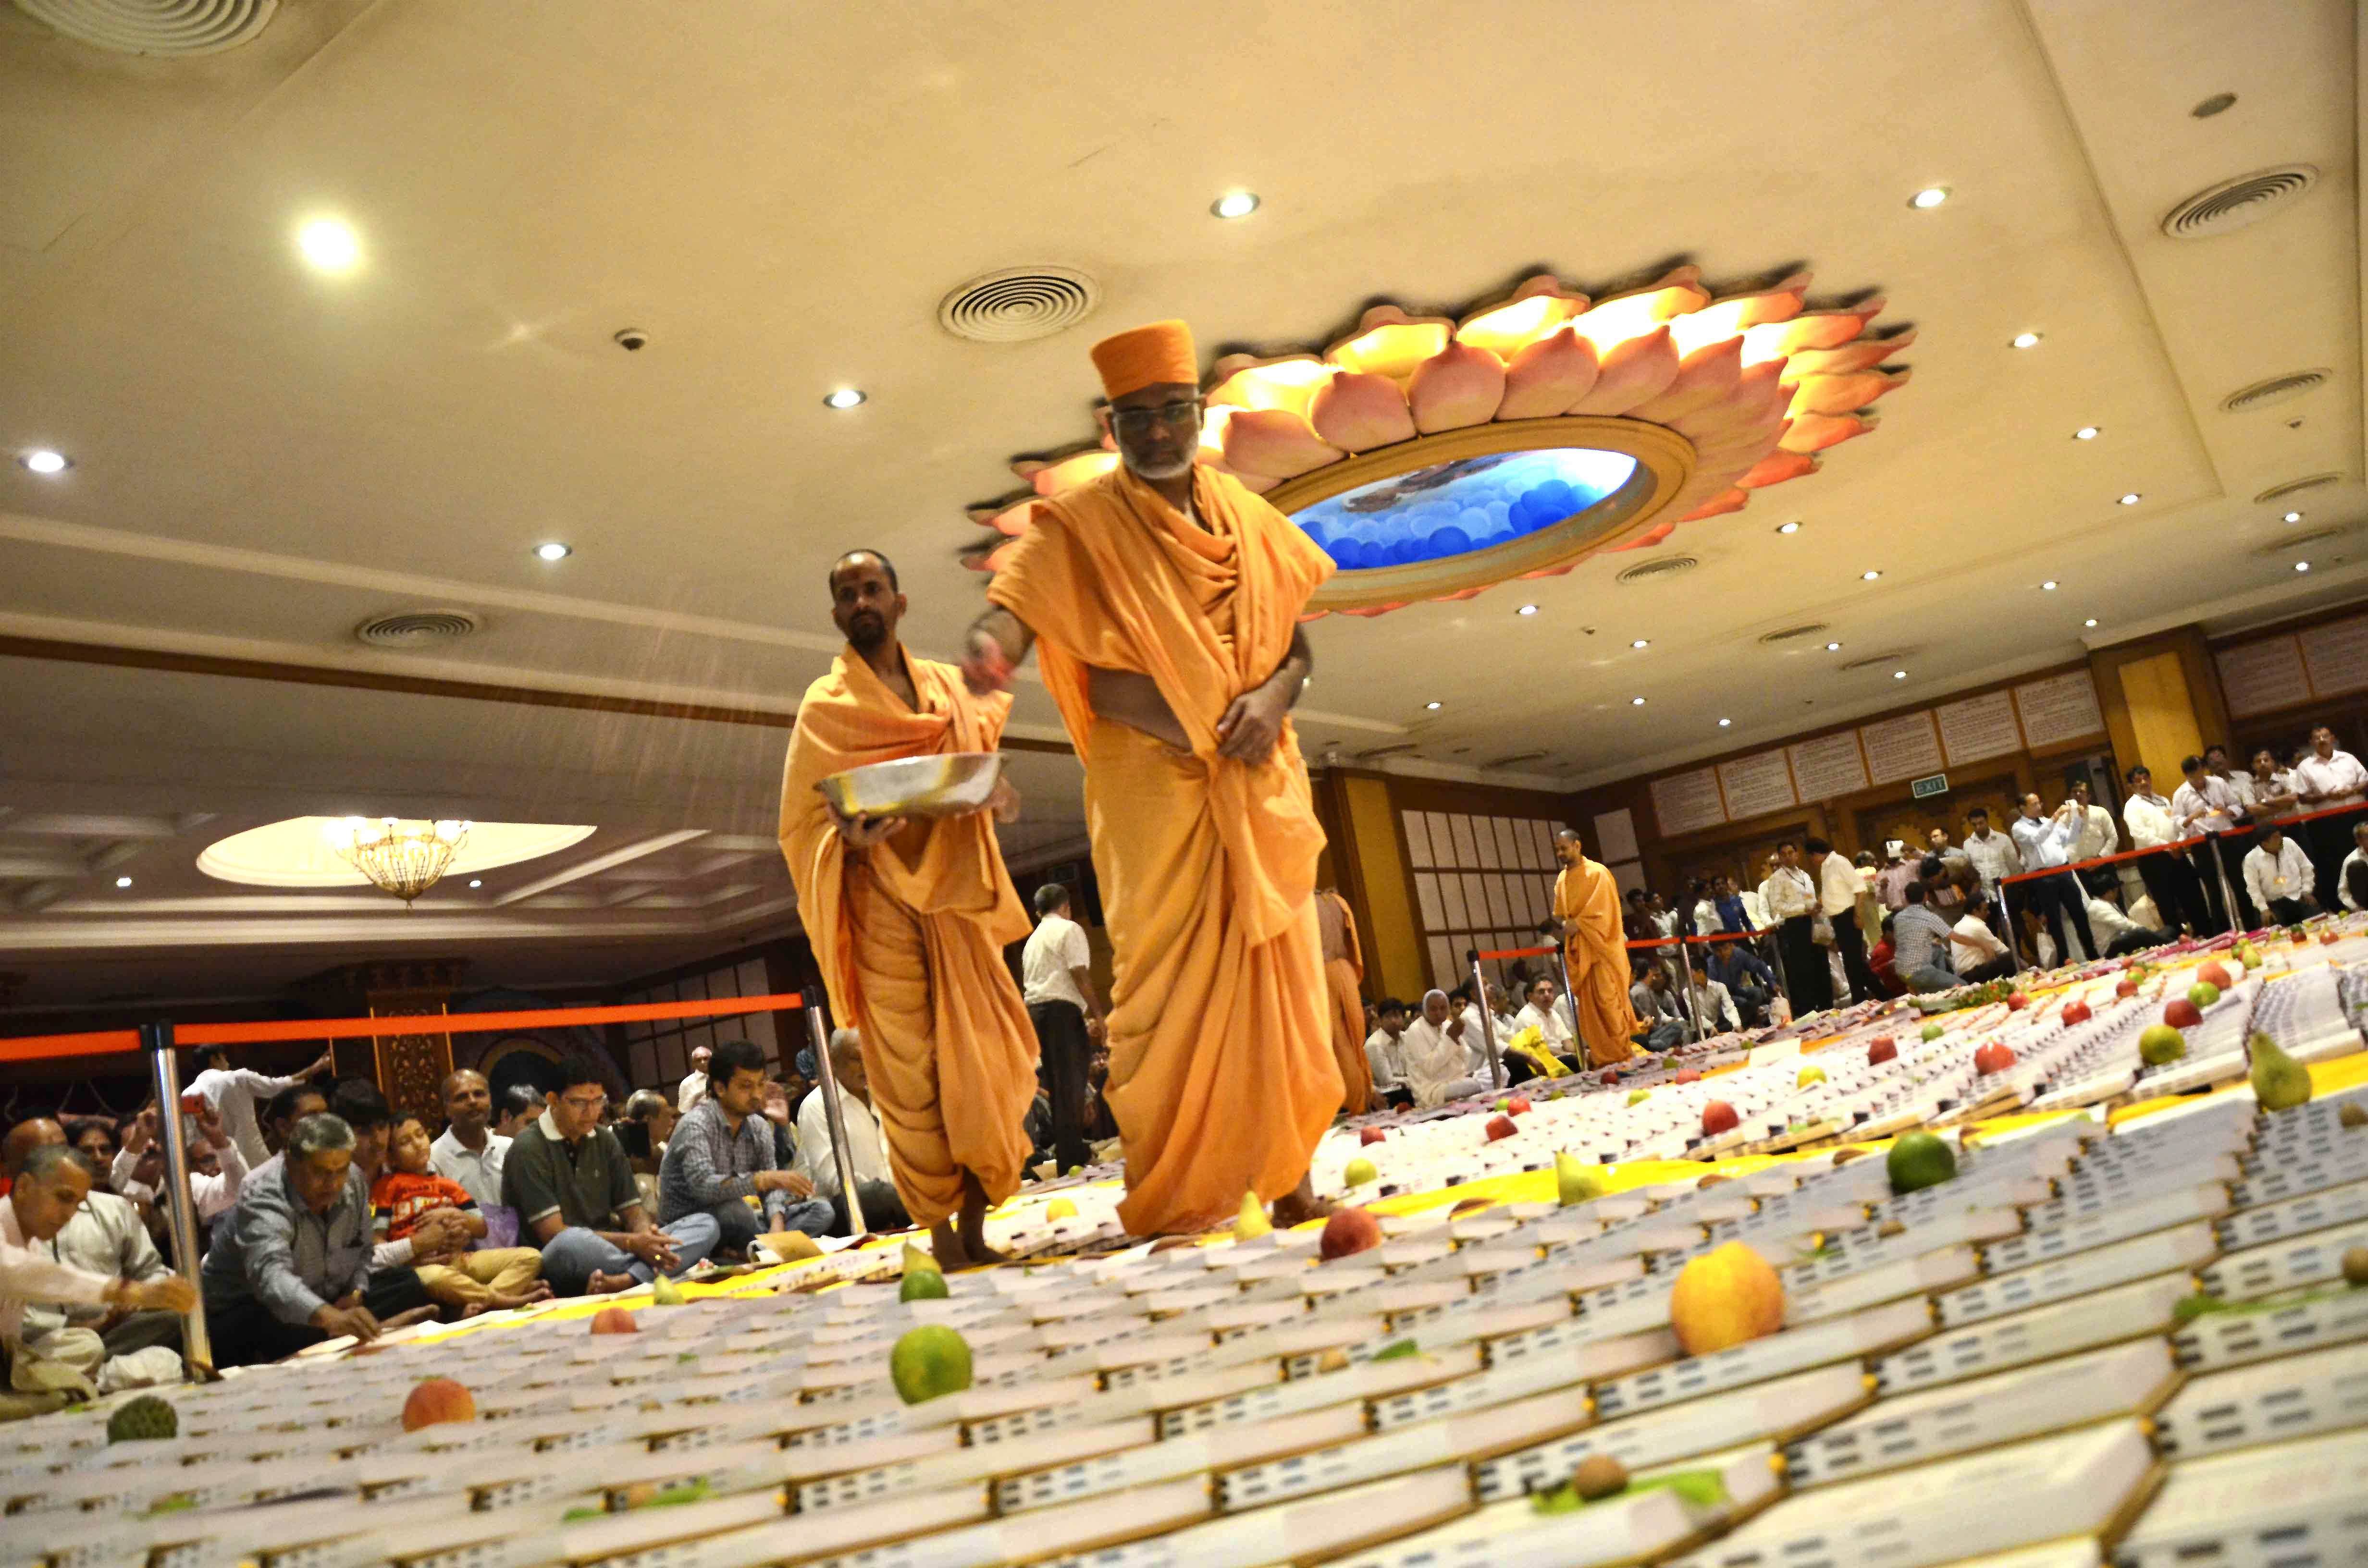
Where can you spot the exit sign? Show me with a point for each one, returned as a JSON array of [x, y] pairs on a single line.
[[1924, 788]]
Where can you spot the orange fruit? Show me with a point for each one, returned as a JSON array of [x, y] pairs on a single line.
[[1726, 1297]]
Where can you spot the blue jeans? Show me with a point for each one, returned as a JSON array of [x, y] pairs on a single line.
[[1665, 1035], [737, 1225], [573, 1256]]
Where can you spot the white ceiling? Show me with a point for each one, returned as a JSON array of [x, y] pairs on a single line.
[[779, 196]]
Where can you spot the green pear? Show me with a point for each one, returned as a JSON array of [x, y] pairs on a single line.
[[1575, 1183], [1638, 1096], [664, 1292], [917, 1261], [2279, 1082]]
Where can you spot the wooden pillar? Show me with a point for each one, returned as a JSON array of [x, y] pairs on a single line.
[[2161, 699]]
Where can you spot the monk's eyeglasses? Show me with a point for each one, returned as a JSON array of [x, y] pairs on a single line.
[[1183, 412]]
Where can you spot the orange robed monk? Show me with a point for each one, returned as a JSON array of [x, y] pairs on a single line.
[[1167, 598], [1344, 968], [1587, 915], [908, 919]]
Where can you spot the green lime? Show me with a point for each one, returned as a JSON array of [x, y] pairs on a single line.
[[1920, 1160], [929, 1361], [923, 1285]]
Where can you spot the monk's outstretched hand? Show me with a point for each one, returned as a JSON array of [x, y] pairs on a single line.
[[862, 832], [1253, 725], [1004, 802]]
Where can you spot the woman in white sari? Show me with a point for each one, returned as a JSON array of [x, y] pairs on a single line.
[[1438, 1056]]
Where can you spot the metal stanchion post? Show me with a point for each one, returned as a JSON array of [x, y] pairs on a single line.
[[1487, 1021], [1686, 964], [813, 1009], [2005, 918], [2228, 893], [180, 1213]]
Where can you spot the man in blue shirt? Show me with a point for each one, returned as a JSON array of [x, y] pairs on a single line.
[[2044, 842]]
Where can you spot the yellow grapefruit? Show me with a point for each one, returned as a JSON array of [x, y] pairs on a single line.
[[1726, 1297]]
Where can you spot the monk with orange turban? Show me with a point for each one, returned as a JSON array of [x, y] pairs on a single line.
[[1344, 968], [909, 918], [1586, 915], [1167, 598]]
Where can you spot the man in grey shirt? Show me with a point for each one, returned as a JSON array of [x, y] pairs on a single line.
[[1920, 944], [290, 1266], [722, 1153], [1664, 1026]]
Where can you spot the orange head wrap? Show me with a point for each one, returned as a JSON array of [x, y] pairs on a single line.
[[1146, 357]]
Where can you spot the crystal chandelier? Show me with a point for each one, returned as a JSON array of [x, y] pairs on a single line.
[[404, 858]]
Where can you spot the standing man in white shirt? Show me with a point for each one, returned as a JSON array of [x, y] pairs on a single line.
[[468, 1150], [694, 1083], [2045, 841], [2323, 780], [1793, 903], [2279, 876], [882, 1209], [1838, 885], [234, 1092], [1992, 855], [1056, 981], [2098, 837], [2207, 804], [2171, 880]]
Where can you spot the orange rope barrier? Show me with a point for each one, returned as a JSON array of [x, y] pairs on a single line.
[[108, 1042]]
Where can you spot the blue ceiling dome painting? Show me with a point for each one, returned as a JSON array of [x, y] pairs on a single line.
[[1454, 508]]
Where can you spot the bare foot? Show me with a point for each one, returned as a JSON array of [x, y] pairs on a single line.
[[947, 1248], [538, 1291], [1298, 1206], [476, 1307], [606, 1284]]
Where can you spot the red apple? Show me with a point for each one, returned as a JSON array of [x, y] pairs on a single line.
[[2078, 1012], [2126, 988], [1372, 1135], [1611, 1076], [1500, 1127], [1993, 1058], [2215, 973], [1350, 1231], [2181, 1014], [437, 1400], [1688, 1075], [2017, 1003], [1882, 1048], [614, 1320], [1517, 1105], [1718, 1117], [2329, 938]]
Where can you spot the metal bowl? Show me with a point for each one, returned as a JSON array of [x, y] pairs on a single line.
[[949, 784]]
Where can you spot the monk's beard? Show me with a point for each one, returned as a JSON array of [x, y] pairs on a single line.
[[866, 633]]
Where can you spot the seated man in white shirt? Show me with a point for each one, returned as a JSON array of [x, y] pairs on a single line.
[[693, 1087], [2279, 876], [2114, 934], [1976, 951], [1708, 1003], [818, 1159], [217, 1165], [2351, 881], [1438, 1057], [1386, 1054]]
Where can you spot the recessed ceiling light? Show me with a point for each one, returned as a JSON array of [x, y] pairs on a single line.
[[2294, 516], [123, 881], [2026, 340], [1723, 723], [2087, 433], [1236, 204], [40, 459], [844, 397], [1833, 647], [1635, 702], [1788, 528], [1527, 609], [1433, 707], [2049, 585], [553, 549], [476, 881], [1868, 577], [1899, 675], [2131, 499], [2302, 565], [1929, 197], [1641, 643], [329, 244], [2091, 621]]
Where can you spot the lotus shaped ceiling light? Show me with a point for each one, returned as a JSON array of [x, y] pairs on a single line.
[[399, 856], [1434, 455]]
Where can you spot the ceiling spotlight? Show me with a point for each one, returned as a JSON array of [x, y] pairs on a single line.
[[1433, 707], [1929, 197], [1527, 609], [1868, 577], [1635, 702], [553, 550], [329, 244], [845, 397], [1236, 204], [1640, 642], [1899, 675], [1788, 528], [2294, 516], [123, 881], [2091, 621], [40, 459], [2048, 585], [2131, 499], [2026, 340], [2302, 565], [1833, 647], [476, 881], [1723, 723], [2087, 433]]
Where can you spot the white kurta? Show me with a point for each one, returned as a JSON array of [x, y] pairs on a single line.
[[1435, 1060]]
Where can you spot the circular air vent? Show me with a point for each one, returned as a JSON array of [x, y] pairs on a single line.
[[1794, 633], [1893, 659], [2286, 546], [154, 27], [2277, 389], [1658, 567], [1019, 303], [2233, 204], [2296, 486], [416, 628]]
